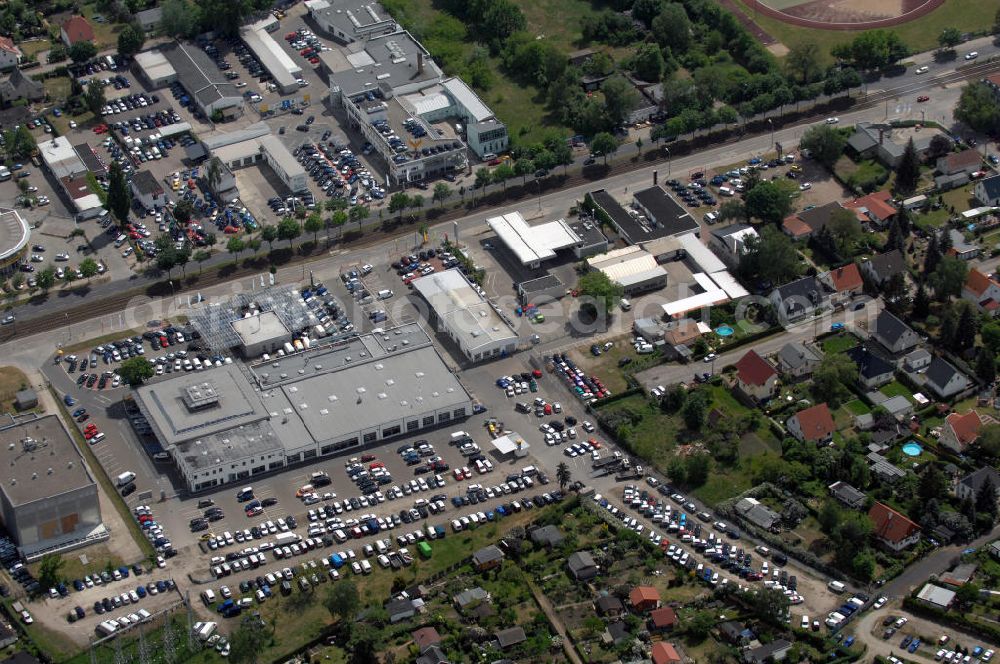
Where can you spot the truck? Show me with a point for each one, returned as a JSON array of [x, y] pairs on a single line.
[[425, 549], [283, 539], [606, 462], [203, 630]]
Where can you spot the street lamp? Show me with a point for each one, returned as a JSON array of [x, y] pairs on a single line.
[[667, 150], [771, 125]]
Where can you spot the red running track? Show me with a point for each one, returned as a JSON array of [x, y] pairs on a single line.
[[922, 10]]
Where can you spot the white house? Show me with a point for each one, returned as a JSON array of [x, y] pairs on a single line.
[[983, 291], [148, 191], [944, 379], [10, 55], [756, 377], [814, 424], [894, 334], [987, 191]]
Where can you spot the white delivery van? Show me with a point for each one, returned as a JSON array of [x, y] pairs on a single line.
[[125, 478], [726, 191], [836, 586], [208, 596], [385, 294], [459, 435], [625, 304]]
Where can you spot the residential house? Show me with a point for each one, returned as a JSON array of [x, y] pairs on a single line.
[[609, 606], [664, 653], [987, 191], [962, 248], [970, 485], [582, 566], [616, 633], [873, 371], [149, 19], [798, 299], [892, 529], [798, 360], [953, 169], [662, 619], [487, 558], [401, 609], [432, 655], [879, 269], [960, 431], [847, 495], [644, 598], [845, 282], [802, 225], [814, 424], [775, 651], [470, 597], [995, 549], [755, 376], [735, 632], [17, 86], [960, 575], [887, 143], [917, 360], [876, 207], [10, 55], [506, 638], [983, 291], [148, 191], [76, 29], [730, 242], [549, 536], [944, 379], [895, 335], [758, 513], [425, 637]]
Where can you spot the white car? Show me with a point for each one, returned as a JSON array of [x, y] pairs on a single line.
[[880, 602], [922, 70], [832, 120], [972, 55], [805, 186], [709, 358], [72, 124]]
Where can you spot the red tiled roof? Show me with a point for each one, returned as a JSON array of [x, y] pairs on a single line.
[[846, 278], [663, 617], [78, 29], [796, 227], [76, 187], [889, 524], [977, 282], [426, 637], [753, 369], [641, 594], [965, 427], [956, 161], [665, 653], [877, 203], [816, 422], [7, 44]]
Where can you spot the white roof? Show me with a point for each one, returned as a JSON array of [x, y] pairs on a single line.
[[88, 202], [274, 59], [154, 64], [468, 99], [700, 254], [423, 104], [976, 212], [469, 317], [729, 284], [509, 443], [360, 59], [698, 301], [14, 233], [625, 264], [532, 244], [230, 152], [59, 155], [936, 595], [316, 5]]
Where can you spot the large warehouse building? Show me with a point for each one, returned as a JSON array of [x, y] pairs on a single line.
[[14, 236], [473, 323], [349, 21], [231, 423], [209, 90], [48, 497], [633, 268], [249, 146], [285, 72]]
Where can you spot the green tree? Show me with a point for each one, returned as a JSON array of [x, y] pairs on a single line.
[[339, 219], [872, 49], [358, 213], [247, 642], [183, 211], [921, 303], [236, 245], [46, 279], [825, 144], [769, 605], [82, 51], [697, 468], [289, 229], [830, 380], [846, 230], [967, 594], [604, 145], [94, 96], [672, 28], [48, 570], [829, 516], [949, 38], [19, 142], [502, 173], [863, 565], [770, 257], [949, 277], [933, 484], [768, 202], [598, 287], [313, 224], [398, 202], [908, 170], [483, 178], [119, 193], [648, 63], [178, 19], [523, 168], [342, 601], [619, 98], [182, 257], [501, 19], [986, 365], [441, 192], [978, 109], [563, 475], [694, 413], [88, 267], [200, 257], [135, 370], [269, 234], [803, 62], [647, 10], [130, 40]]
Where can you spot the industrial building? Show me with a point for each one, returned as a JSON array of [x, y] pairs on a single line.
[[210, 92], [249, 146], [285, 72], [662, 212], [477, 326], [632, 268], [62, 160], [540, 290], [234, 422], [713, 283], [147, 190], [349, 21], [14, 236], [153, 67], [48, 498], [261, 332], [532, 245]]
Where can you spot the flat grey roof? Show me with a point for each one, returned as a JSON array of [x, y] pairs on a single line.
[[166, 403], [467, 314], [256, 439], [389, 61], [40, 460], [589, 232], [265, 326]]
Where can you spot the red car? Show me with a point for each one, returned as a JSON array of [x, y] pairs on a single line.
[[923, 98], [314, 61], [537, 373], [100, 129], [89, 433]]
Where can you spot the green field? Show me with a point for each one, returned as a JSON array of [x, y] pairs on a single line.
[[839, 343], [897, 389], [919, 35]]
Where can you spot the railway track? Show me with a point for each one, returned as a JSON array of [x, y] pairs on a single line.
[[116, 303]]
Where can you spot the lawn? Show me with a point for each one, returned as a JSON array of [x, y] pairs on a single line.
[[653, 433], [722, 484], [919, 35], [57, 89], [857, 407], [896, 389], [839, 343], [105, 34], [12, 379], [99, 559]]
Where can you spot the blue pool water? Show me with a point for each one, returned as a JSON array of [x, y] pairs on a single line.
[[724, 331], [912, 449]]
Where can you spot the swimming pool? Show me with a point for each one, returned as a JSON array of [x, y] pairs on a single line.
[[913, 449], [724, 331]]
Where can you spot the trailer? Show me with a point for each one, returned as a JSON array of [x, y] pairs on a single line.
[[283, 539]]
